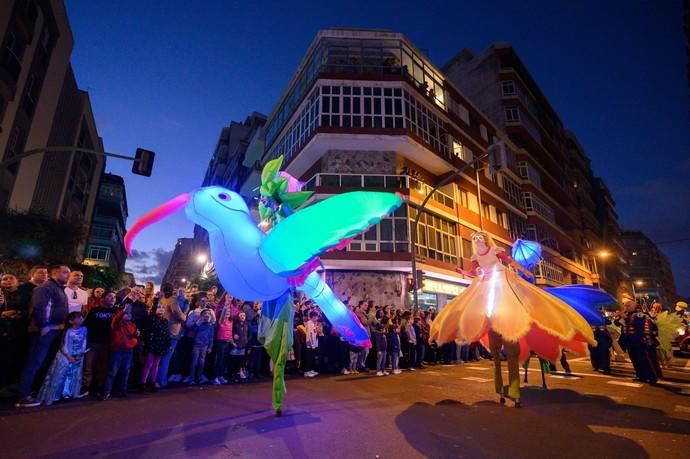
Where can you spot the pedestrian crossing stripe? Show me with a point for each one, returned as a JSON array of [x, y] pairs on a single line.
[[475, 379], [479, 368], [683, 409], [626, 384]]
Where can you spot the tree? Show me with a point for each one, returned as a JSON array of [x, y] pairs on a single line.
[[35, 238]]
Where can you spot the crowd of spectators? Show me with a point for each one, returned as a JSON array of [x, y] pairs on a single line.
[[60, 341]]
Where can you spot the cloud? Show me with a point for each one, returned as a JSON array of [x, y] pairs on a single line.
[[149, 265]]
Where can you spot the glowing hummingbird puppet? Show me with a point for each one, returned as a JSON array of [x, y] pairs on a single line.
[[269, 267]]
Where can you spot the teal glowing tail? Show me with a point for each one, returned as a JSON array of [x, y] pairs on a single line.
[[342, 318]]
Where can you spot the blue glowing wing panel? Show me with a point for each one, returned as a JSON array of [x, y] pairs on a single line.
[[585, 299]]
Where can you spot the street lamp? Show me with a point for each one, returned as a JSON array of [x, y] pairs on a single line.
[[639, 283], [603, 254], [202, 258]]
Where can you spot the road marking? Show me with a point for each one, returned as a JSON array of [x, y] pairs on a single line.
[[579, 359], [623, 383], [683, 409], [480, 368], [675, 384], [475, 379]]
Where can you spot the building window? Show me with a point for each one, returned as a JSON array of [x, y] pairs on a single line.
[[512, 113], [368, 107], [508, 87], [389, 235], [463, 198], [101, 230], [466, 248], [461, 151], [437, 238], [98, 252], [517, 226], [424, 123]]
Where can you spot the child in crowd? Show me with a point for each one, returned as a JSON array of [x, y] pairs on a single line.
[[394, 347], [203, 344], [240, 330], [64, 376], [122, 342], [156, 346], [221, 346], [381, 348]]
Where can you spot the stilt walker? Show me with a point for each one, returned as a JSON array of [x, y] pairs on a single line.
[[504, 311], [268, 262]]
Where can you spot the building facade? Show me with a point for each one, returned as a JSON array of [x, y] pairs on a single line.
[[41, 106], [556, 177], [235, 160], [650, 271], [183, 264], [367, 110], [613, 260], [106, 237]]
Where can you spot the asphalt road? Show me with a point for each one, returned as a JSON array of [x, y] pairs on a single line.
[[442, 411]]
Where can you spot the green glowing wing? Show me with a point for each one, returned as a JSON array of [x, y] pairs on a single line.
[[313, 230]]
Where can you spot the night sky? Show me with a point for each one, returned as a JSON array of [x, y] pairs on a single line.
[[170, 78]]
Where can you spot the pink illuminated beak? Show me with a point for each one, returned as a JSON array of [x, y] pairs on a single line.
[[157, 214]]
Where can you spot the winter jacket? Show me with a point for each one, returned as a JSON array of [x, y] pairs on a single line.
[[224, 332], [48, 305], [123, 334], [394, 342], [381, 341], [204, 335], [174, 315], [158, 338], [242, 330]]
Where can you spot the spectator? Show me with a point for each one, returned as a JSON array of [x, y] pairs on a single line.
[[96, 298], [150, 296], [140, 317], [422, 335], [312, 345], [394, 348], [203, 343], [64, 376], [48, 313], [409, 341], [13, 323], [157, 344], [363, 317], [255, 348], [221, 346], [240, 336], [98, 323], [77, 298], [123, 339], [176, 318], [381, 348]]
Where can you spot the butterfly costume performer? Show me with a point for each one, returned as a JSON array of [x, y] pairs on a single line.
[[255, 265], [503, 310]]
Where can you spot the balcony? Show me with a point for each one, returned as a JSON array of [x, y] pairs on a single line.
[[349, 181], [549, 273], [535, 205]]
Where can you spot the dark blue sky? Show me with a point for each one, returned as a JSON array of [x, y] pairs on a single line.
[[170, 77]]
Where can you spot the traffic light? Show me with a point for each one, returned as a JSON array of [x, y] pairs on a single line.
[[143, 162], [419, 276]]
